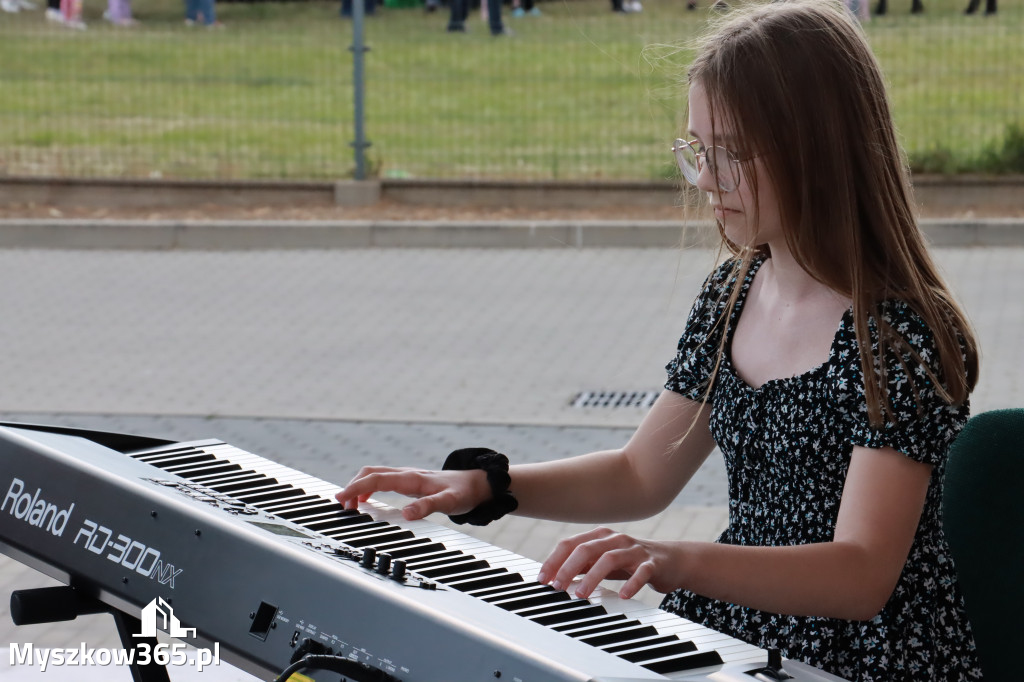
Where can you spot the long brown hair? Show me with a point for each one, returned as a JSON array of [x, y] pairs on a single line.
[[801, 89]]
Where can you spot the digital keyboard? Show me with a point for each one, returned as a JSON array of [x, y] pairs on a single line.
[[262, 561]]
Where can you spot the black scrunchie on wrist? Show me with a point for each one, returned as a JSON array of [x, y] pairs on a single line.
[[496, 466]]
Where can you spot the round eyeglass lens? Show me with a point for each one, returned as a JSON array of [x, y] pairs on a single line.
[[686, 157], [726, 176]]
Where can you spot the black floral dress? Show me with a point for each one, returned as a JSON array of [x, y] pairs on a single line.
[[787, 447]]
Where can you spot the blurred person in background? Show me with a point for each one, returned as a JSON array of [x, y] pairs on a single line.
[[71, 12], [916, 7], [53, 12], [627, 6], [460, 11], [119, 13], [201, 12], [15, 6], [859, 9], [990, 7], [521, 8]]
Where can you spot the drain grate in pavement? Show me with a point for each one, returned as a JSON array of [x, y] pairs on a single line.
[[612, 399]]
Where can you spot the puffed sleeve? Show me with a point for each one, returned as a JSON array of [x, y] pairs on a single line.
[[694, 363], [921, 424]]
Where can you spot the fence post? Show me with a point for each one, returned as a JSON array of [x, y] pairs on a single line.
[[358, 87]]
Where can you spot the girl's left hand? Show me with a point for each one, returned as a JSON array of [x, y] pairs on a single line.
[[602, 554]]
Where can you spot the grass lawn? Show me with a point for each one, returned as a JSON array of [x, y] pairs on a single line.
[[577, 93]]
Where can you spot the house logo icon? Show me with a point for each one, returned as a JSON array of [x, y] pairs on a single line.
[[159, 614]]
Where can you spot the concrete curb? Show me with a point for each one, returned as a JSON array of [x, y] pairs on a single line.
[[950, 194], [256, 234]]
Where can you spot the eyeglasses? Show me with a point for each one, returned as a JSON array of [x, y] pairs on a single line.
[[724, 163]]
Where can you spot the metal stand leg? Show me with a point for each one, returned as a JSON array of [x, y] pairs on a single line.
[[127, 627], [56, 604]]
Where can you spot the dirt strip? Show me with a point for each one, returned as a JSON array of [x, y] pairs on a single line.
[[395, 211]]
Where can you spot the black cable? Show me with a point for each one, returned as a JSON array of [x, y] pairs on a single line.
[[359, 672]]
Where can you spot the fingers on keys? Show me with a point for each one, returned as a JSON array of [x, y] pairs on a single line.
[[371, 480], [598, 555], [443, 501], [444, 492], [643, 575], [570, 558]]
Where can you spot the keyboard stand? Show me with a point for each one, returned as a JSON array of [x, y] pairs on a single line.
[[63, 603]]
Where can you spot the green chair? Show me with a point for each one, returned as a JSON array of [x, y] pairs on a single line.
[[983, 518]]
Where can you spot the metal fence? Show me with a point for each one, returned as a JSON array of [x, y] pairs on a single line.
[[577, 92]]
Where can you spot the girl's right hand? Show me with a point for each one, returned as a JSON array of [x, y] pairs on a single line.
[[448, 492]]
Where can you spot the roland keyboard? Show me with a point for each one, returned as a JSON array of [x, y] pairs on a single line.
[[260, 559]]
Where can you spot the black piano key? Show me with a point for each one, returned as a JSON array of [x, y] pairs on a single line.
[[372, 540], [651, 653], [594, 628], [343, 531], [274, 507], [250, 488], [316, 516], [345, 523], [194, 473], [321, 514], [448, 558], [227, 477], [190, 473], [304, 512], [531, 601], [246, 475], [167, 455], [439, 559], [185, 462], [402, 544], [626, 635], [584, 610], [294, 495], [261, 487], [338, 520], [500, 593], [449, 569], [489, 581], [245, 496], [225, 469], [170, 447], [414, 551], [643, 643], [228, 488], [494, 594], [256, 500], [275, 493], [146, 456], [325, 519], [348, 534], [487, 592], [378, 537], [470, 576], [542, 610], [580, 624], [245, 489], [701, 659]]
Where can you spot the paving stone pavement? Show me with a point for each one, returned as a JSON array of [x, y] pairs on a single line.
[[444, 335], [326, 360]]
